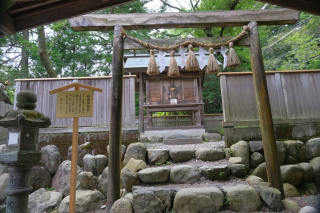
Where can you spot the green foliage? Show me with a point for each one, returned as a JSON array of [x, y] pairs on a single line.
[[285, 47], [50, 189], [226, 202]]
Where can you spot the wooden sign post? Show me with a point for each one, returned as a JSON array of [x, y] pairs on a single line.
[[74, 104]]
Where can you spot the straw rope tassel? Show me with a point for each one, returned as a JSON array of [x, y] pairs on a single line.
[[173, 66], [233, 59], [192, 62], [213, 66], [152, 66]]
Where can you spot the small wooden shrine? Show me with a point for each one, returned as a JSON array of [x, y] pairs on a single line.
[[168, 94]]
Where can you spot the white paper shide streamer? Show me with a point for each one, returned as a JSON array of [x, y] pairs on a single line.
[[161, 63], [225, 57], [183, 57], [202, 58]]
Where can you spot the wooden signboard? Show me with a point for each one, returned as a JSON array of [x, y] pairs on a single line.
[[74, 104]]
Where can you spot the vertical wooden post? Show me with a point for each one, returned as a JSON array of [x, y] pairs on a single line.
[[192, 118], [114, 165], [74, 163], [203, 117], [141, 100], [264, 110]]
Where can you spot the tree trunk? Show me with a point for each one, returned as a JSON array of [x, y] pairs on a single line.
[[44, 57], [25, 56]]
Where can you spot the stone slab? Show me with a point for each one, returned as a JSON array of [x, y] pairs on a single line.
[[179, 141]]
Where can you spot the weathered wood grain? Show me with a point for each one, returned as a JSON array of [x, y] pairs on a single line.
[[95, 22], [308, 6], [58, 11], [114, 164], [268, 72], [264, 110]]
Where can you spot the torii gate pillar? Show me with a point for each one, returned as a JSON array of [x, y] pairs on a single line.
[[264, 110]]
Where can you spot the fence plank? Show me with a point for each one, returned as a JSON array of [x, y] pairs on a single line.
[[225, 101]]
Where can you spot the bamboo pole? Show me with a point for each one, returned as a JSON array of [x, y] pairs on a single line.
[[114, 165], [264, 110], [74, 160]]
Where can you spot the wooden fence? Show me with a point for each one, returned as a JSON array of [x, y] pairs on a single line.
[[213, 121], [46, 103], [4, 131], [294, 99]]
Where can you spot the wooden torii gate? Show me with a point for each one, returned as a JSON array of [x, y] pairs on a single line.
[[121, 22]]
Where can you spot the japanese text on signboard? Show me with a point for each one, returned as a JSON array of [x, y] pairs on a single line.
[[74, 104]]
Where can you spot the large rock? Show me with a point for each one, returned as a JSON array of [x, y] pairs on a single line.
[[198, 200], [307, 172], [291, 174], [82, 151], [166, 195], [212, 137], [157, 156], [129, 179], [308, 209], [102, 183], [282, 150], [87, 180], [256, 159], [3, 169], [39, 178], [86, 201], [271, 197], [51, 158], [261, 171], [136, 151], [42, 200], [256, 146], [307, 188], [315, 163], [136, 165], [241, 149], [95, 163], [254, 179], [4, 179], [236, 160], [238, 170], [154, 175], [290, 190], [243, 198], [123, 150], [184, 174], [228, 153], [145, 201], [61, 180], [121, 206], [290, 205], [2, 147], [313, 148], [129, 196], [181, 155], [220, 172], [207, 154], [296, 150]]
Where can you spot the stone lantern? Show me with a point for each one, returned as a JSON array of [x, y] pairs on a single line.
[[21, 152]]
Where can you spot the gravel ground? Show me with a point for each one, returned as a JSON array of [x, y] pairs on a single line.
[[313, 200]]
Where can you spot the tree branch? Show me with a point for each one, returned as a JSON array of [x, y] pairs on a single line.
[[232, 6], [196, 5], [170, 5], [192, 5]]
